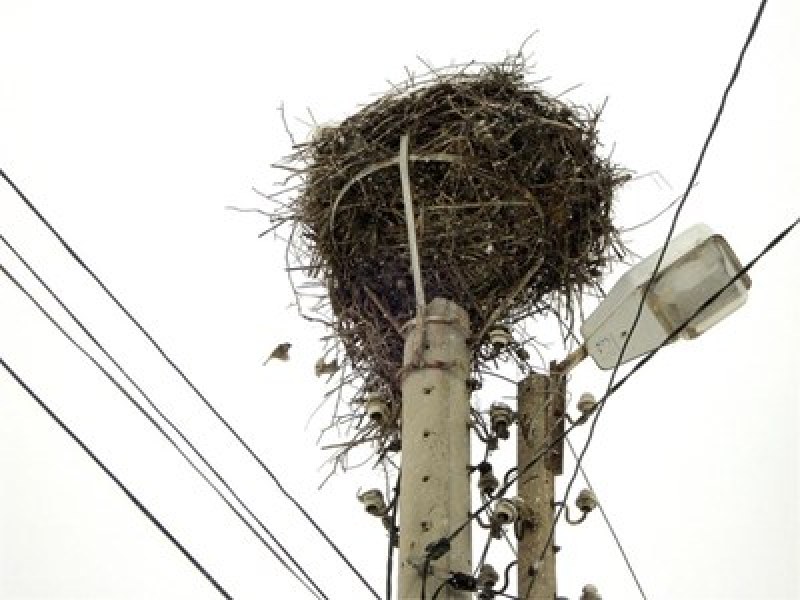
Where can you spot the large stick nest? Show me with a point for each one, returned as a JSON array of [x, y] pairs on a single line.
[[512, 206]]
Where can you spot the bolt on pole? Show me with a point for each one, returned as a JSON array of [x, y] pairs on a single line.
[[435, 494], [540, 412]]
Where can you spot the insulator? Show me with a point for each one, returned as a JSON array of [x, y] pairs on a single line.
[[499, 337], [586, 501], [505, 512], [487, 577], [519, 503], [587, 403], [377, 408], [487, 483], [395, 443], [501, 416], [373, 502], [590, 592]]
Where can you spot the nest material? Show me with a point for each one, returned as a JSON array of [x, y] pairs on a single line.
[[512, 207]]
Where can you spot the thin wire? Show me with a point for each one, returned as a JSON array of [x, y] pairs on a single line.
[[653, 352], [425, 566], [317, 592], [392, 527], [734, 76], [153, 519], [689, 185], [438, 590], [510, 545], [643, 361], [186, 380], [608, 523], [653, 218], [509, 480], [138, 388], [485, 552], [774, 242]]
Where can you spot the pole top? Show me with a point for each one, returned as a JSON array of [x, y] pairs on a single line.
[[442, 312]]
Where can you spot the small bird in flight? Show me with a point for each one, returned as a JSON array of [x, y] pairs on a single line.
[[325, 368], [281, 352]]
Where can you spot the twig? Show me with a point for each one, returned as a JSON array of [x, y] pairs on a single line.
[[383, 310], [501, 308], [434, 157], [282, 111]]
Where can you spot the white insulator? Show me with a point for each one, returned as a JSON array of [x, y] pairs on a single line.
[[377, 408], [373, 502], [586, 501], [487, 483], [501, 416], [590, 592], [487, 577], [500, 336], [505, 512], [587, 403]]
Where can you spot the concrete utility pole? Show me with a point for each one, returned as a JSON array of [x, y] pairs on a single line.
[[540, 419], [435, 494]]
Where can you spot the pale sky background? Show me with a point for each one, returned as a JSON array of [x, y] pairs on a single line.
[[132, 126]]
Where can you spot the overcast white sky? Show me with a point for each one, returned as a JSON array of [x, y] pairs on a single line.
[[132, 126]]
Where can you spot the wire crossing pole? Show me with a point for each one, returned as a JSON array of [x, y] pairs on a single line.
[[435, 495], [540, 412]]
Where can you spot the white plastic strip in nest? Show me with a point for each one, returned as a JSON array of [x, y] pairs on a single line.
[[405, 181]]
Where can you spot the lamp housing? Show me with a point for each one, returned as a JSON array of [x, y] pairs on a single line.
[[695, 266]]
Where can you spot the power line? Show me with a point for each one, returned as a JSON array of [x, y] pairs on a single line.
[[392, 536], [510, 480], [774, 242], [188, 382], [608, 524], [316, 591], [671, 337], [734, 76], [690, 185], [153, 519]]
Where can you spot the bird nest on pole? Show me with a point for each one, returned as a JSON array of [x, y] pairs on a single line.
[[512, 211]]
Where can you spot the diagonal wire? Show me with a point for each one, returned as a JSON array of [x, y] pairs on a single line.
[[509, 481], [392, 536], [608, 523], [316, 591], [690, 184], [153, 519], [666, 341], [734, 76], [186, 380]]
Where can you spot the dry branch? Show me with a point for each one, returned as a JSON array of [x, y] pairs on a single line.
[[512, 208]]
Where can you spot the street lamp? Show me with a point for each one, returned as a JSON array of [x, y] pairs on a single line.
[[695, 266]]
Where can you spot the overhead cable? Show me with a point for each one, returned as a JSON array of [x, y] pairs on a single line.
[[509, 480], [153, 519], [188, 382], [313, 587], [608, 524], [643, 361], [689, 186], [392, 536]]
